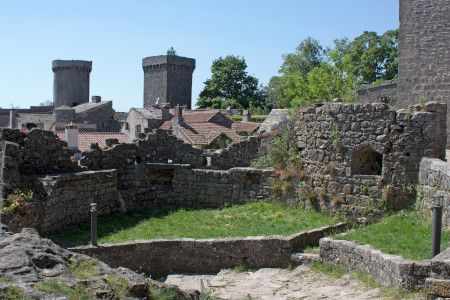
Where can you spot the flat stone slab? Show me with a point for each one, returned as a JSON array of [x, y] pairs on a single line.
[[300, 283]]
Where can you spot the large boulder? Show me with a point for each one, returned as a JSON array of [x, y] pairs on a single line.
[[35, 268]]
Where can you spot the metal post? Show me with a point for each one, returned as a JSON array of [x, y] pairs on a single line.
[[94, 224], [436, 229]]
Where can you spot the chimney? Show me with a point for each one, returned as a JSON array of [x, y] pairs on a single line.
[[246, 117], [165, 113], [71, 136], [12, 119], [177, 115], [96, 99]]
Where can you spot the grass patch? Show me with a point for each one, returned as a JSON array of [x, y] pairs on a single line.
[[13, 293], [118, 285], [252, 219], [84, 269], [368, 281], [161, 293], [55, 287], [407, 233]]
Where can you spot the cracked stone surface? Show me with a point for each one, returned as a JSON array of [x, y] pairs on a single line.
[[300, 283]]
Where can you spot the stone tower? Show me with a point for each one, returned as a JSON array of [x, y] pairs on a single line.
[[168, 80], [424, 63], [71, 82]]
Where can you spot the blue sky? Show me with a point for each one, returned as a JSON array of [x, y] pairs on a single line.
[[117, 34]]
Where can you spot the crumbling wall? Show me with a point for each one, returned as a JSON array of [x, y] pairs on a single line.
[[368, 155], [39, 152], [159, 147], [239, 154], [144, 185]]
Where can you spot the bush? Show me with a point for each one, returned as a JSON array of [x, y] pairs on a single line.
[[235, 118], [282, 155], [258, 118], [16, 199]]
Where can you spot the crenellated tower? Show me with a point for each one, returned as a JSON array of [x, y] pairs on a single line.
[[168, 80]]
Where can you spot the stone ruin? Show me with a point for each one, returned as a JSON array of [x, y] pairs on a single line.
[[355, 156]]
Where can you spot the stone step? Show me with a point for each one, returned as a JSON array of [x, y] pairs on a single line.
[[298, 259], [438, 287]]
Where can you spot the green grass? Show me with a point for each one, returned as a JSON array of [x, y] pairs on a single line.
[[407, 233], [55, 287], [253, 219], [368, 281]]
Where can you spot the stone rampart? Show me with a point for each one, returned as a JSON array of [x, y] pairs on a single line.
[[368, 154], [161, 257], [389, 270]]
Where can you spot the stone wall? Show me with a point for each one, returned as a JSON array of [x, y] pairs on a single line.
[[161, 257], [39, 152], [368, 154], [387, 269], [439, 282], [386, 92], [62, 200], [159, 147], [434, 180], [144, 185], [239, 154], [424, 59]]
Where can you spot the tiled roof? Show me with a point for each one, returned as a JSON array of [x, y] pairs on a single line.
[[245, 126], [85, 139], [200, 134]]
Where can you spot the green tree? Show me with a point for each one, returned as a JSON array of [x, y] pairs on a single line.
[[371, 57], [308, 55], [171, 51], [231, 85]]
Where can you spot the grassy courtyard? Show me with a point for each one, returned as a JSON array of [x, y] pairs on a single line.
[[253, 219], [407, 233]]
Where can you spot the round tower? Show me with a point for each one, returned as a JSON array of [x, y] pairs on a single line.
[[71, 82]]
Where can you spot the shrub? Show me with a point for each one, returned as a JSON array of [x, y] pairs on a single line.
[[17, 199], [258, 118], [235, 118]]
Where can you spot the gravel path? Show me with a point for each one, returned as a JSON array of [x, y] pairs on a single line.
[[300, 283]]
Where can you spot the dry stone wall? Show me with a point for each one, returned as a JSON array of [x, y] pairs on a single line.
[[62, 200], [387, 269], [144, 185], [39, 152], [386, 92], [161, 257], [434, 181], [368, 154]]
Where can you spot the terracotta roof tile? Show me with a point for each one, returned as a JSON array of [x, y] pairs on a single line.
[[245, 126], [85, 139]]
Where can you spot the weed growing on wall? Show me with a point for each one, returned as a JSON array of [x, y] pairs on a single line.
[[17, 199]]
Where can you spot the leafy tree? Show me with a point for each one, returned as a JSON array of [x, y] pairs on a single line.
[[171, 51], [308, 55], [313, 74], [371, 57], [230, 85]]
